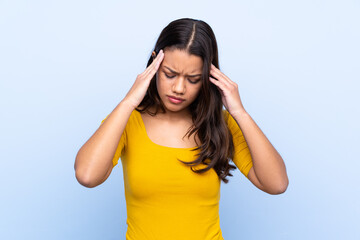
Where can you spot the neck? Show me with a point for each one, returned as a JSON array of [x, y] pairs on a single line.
[[173, 116]]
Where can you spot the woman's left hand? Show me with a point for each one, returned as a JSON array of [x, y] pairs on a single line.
[[229, 91]]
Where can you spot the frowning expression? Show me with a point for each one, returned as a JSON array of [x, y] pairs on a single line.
[[179, 79]]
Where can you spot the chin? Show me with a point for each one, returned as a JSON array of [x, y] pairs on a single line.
[[172, 107]]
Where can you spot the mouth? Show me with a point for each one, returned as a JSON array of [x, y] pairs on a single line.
[[175, 99]]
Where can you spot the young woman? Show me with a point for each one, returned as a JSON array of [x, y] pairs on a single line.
[[175, 140]]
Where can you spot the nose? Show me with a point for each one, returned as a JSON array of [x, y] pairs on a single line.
[[179, 86]]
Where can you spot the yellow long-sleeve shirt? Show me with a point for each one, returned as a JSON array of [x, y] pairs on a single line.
[[164, 198]]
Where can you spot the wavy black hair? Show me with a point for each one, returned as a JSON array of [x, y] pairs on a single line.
[[217, 148]]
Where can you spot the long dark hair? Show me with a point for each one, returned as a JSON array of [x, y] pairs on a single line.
[[197, 38]]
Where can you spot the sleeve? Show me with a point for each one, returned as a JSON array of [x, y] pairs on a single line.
[[121, 146], [242, 157]]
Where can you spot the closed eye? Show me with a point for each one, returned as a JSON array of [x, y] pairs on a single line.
[[192, 82], [195, 82], [169, 76]]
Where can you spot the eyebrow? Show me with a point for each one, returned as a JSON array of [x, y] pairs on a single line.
[[185, 75]]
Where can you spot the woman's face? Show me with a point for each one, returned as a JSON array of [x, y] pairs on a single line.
[[179, 76]]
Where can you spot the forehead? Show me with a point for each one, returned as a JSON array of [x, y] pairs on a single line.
[[182, 62]]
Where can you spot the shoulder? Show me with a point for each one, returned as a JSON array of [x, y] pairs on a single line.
[[135, 115], [227, 117], [231, 123], [225, 113]]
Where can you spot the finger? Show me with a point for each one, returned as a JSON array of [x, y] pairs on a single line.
[[214, 69], [151, 71], [156, 62], [221, 79], [217, 83], [153, 64]]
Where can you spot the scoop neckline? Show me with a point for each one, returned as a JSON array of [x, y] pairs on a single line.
[[149, 140]]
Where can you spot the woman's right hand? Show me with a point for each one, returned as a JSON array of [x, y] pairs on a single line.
[[137, 92]]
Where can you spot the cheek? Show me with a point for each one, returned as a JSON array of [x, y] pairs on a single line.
[[195, 92], [198, 89]]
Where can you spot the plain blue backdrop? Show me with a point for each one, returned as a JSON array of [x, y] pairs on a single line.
[[64, 65]]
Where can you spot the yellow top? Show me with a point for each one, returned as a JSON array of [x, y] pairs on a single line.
[[164, 198]]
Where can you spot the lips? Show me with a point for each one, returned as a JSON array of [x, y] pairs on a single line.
[[179, 99], [175, 100]]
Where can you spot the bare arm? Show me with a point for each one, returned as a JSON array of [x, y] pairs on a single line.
[[268, 172], [93, 163]]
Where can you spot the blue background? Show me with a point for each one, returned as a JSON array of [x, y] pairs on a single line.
[[64, 65]]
